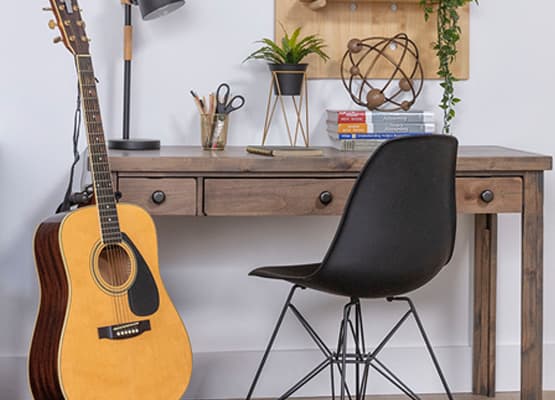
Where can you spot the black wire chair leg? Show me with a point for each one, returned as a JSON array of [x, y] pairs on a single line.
[[393, 379], [332, 379], [427, 342], [311, 332], [359, 351], [307, 378], [388, 337], [343, 354], [360, 347], [271, 342], [364, 377], [345, 385]]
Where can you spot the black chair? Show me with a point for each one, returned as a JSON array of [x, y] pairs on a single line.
[[396, 234]]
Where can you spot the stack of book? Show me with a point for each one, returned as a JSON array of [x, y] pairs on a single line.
[[352, 130]]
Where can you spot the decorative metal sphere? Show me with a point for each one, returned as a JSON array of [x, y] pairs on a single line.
[[400, 56]]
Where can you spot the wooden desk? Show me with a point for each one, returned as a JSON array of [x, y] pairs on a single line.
[[188, 181]]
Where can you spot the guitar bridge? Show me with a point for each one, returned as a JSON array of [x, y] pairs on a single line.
[[124, 331]]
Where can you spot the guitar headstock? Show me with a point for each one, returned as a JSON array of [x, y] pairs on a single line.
[[71, 26]]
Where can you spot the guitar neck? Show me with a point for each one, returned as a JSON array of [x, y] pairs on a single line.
[[98, 154]]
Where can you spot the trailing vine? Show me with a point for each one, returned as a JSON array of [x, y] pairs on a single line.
[[448, 35]]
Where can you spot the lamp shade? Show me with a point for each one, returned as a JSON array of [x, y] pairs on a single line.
[[151, 9]]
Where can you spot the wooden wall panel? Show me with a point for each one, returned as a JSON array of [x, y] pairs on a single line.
[[337, 24]]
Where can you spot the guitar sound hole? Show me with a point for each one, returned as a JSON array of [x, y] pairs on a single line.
[[114, 266]]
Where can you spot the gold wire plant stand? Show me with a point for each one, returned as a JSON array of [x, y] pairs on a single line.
[[299, 105]]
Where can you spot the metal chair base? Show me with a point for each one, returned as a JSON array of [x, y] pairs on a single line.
[[338, 361]]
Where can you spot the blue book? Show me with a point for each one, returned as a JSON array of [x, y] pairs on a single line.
[[370, 136]]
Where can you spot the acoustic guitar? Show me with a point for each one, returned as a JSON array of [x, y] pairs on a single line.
[[106, 327]]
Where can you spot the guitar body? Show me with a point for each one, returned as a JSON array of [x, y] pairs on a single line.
[[106, 327]]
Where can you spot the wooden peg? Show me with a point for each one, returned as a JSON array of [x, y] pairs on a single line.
[[315, 4]]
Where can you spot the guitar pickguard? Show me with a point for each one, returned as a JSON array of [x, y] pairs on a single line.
[[143, 295]]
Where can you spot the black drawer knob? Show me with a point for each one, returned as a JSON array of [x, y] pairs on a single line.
[[159, 197], [487, 196], [326, 198]]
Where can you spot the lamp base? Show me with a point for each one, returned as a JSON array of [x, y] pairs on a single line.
[[134, 144]]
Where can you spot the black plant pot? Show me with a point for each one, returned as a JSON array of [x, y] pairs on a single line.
[[290, 78]]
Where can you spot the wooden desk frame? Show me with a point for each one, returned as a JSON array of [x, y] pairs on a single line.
[[516, 175]]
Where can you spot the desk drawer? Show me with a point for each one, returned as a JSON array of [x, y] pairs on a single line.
[[489, 195], [257, 197], [161, 196]]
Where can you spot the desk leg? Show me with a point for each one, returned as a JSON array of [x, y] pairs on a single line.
[[531, 367], [485, 282]]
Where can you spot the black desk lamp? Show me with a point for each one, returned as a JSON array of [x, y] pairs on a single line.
[[150, 9]]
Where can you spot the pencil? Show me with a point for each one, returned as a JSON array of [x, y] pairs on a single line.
[[212, 101], [197, 102]]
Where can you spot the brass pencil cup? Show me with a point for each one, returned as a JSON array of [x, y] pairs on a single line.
[[213, 128]]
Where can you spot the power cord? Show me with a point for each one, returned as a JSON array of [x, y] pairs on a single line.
[[71, 199]]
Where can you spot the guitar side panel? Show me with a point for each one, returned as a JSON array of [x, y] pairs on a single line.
[[43, 356]]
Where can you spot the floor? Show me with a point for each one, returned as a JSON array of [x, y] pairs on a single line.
[[458, 396]]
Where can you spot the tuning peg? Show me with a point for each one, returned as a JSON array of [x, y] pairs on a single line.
[[47, 9], [52, 24], [57, 40]]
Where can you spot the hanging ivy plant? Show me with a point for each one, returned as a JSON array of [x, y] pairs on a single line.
[[448, 35]]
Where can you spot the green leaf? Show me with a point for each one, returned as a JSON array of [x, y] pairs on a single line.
[[292, 50], [294, 37]]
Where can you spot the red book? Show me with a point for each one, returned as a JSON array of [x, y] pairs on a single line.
[[379, 117], [348, 117]]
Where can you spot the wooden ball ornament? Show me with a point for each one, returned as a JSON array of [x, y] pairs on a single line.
[[405, 85], [375, 99], [406, 105], [355, 46], [355, 70]]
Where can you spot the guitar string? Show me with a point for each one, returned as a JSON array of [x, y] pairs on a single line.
[[111, 248], [90, 133], [114, 249], [112, 257], [115, 252]]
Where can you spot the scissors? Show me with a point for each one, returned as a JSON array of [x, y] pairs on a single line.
[[226, 106]]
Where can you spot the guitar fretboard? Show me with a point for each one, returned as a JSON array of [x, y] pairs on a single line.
[[98, 154]]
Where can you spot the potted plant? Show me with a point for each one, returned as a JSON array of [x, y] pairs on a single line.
[[448, 35], [285, 59]]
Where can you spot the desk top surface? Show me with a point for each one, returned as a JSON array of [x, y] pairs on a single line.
[[236, 159]]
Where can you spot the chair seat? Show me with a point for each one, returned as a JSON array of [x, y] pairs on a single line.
[[296, 274], [307, 276]]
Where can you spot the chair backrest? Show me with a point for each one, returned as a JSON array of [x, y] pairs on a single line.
[[398, 228]]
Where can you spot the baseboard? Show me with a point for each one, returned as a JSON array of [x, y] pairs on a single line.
[[227, 375]]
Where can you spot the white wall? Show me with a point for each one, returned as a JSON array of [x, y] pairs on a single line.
[[508, 101]]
